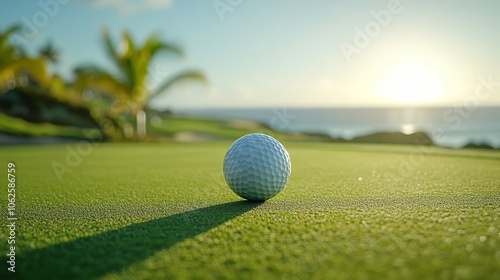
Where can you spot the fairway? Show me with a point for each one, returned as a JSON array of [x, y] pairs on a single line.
[[164, 211]]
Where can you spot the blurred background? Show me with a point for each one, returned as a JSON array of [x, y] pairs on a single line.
[[169, 70]]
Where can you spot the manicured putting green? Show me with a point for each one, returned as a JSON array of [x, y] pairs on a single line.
[[163, 211]]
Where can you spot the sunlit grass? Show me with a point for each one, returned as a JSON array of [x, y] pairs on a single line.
[[163, 211]]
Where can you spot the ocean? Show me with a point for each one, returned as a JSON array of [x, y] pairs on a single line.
[[447, 126]]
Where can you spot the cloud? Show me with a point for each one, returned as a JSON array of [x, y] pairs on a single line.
[[130, 7]]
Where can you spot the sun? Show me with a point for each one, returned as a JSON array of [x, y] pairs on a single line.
[[411, 82]]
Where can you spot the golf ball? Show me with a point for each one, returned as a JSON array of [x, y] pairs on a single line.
[[257, 167]]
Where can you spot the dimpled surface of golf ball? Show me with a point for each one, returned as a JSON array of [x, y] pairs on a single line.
[[257, 167]]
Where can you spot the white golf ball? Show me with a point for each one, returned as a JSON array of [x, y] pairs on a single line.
[[257, 167]]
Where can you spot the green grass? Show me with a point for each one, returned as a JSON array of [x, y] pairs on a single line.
[[163, 211], [169, 128], [219, 129], [18, 126]]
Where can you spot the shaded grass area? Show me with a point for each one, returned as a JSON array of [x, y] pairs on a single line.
[[168, 127], [154, 211], [116, 249], [21, 127]]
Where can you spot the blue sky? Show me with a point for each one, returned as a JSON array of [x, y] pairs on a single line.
[[287, 53]]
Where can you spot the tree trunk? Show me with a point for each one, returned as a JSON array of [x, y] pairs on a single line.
[[141, 124]]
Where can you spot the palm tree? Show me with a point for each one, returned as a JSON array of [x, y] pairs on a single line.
[[128, 83], [55, 85], [14, 64], [49, 53], [19, 70], [29, 77]]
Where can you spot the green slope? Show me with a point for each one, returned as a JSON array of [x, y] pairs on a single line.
[[218, 129], [163, 211], [21, 127]]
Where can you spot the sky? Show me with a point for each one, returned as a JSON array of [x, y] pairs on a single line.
[[287, 52]]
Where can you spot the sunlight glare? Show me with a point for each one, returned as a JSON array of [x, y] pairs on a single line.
[[412, 82], [408, 129]]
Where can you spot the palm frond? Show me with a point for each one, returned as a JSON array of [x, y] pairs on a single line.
[[127, 55], [95, 78], [49, 52], [187, 75], [34, 67], [4, 36], [127, 46], [110, 47], [57, 87], [153, 45]]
